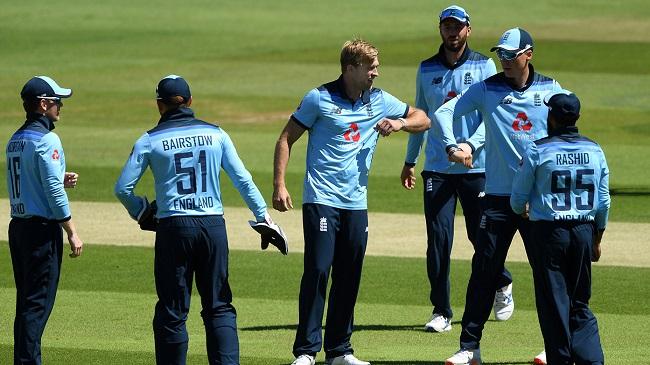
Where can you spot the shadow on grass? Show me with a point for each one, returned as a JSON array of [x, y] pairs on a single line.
[[357, 328]]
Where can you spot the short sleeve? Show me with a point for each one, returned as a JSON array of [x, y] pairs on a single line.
[[307, 112]]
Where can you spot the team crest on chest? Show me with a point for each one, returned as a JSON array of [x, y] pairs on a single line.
[[467, 80], [537, 99]]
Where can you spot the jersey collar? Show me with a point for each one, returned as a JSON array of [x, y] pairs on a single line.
[[562, 131], [529, 81], [40, 119], [182, 113], [339, 86], [461, 60]]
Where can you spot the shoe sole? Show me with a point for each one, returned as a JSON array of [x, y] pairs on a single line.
[[433, 330], [473, 362]]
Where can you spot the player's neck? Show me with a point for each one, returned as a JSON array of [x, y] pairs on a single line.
[[352, 92], [519, 81], [453, 56]]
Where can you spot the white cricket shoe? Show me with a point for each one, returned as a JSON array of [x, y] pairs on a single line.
[[347, 359], [438, 323], [304, 360], [540, 359], [504, 303], [465, 357]]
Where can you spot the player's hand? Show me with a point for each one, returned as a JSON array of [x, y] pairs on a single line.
[[465, 147], [388, 126], [76, 245], [462, 157], [70, 180], [595, 252], [282, 199], [526, 211], [408, 177]]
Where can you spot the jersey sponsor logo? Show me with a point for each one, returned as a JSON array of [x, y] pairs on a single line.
[[55, 155], [323, 224], [436, 80], [450, 95], [467, 80], [521, 123], [352, 134]]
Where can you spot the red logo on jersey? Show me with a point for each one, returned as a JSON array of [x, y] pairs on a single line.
[[352, 134], [55, 155], [450, 95], [522, 123]]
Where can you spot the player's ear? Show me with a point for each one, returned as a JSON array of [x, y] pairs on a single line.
[[189, 102]]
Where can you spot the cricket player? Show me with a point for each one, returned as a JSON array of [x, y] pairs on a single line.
[[344, 119], [185, 156], [562, 186], [511, 103], [440, 78], [36, 179]]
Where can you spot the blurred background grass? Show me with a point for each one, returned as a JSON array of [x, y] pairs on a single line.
[[250, 62]]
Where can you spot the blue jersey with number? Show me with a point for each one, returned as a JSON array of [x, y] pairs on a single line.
[[563, 177], [513, 120], [342, 140], [35, 171], [186, 156], [436, 83]]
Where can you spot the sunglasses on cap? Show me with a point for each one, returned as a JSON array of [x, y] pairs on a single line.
[[455, 13], [506, 55]]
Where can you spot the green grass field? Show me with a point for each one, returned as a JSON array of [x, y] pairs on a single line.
[[249, 63], [106, 298]]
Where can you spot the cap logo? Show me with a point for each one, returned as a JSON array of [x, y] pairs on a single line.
[[505, 37]]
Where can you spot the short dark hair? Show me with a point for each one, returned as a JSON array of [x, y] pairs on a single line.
[[565, 120], [31, 104], [174, 102]]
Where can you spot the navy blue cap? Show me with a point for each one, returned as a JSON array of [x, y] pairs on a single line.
[[43, 87], [455, 12], [563, 104], [515, 39], [173, 85]]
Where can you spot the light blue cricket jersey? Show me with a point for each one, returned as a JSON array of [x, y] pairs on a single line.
[[186, 156], [342, 141], [513, 119], [35, 171], [436, 83], [563, 177]]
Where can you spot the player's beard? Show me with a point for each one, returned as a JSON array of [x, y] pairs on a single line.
[[455, 46]]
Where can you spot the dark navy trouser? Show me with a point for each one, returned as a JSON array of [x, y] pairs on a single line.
[[440, 193], [562, 254], [36, 247], [334, 238], [188, 246], [496, 230]]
